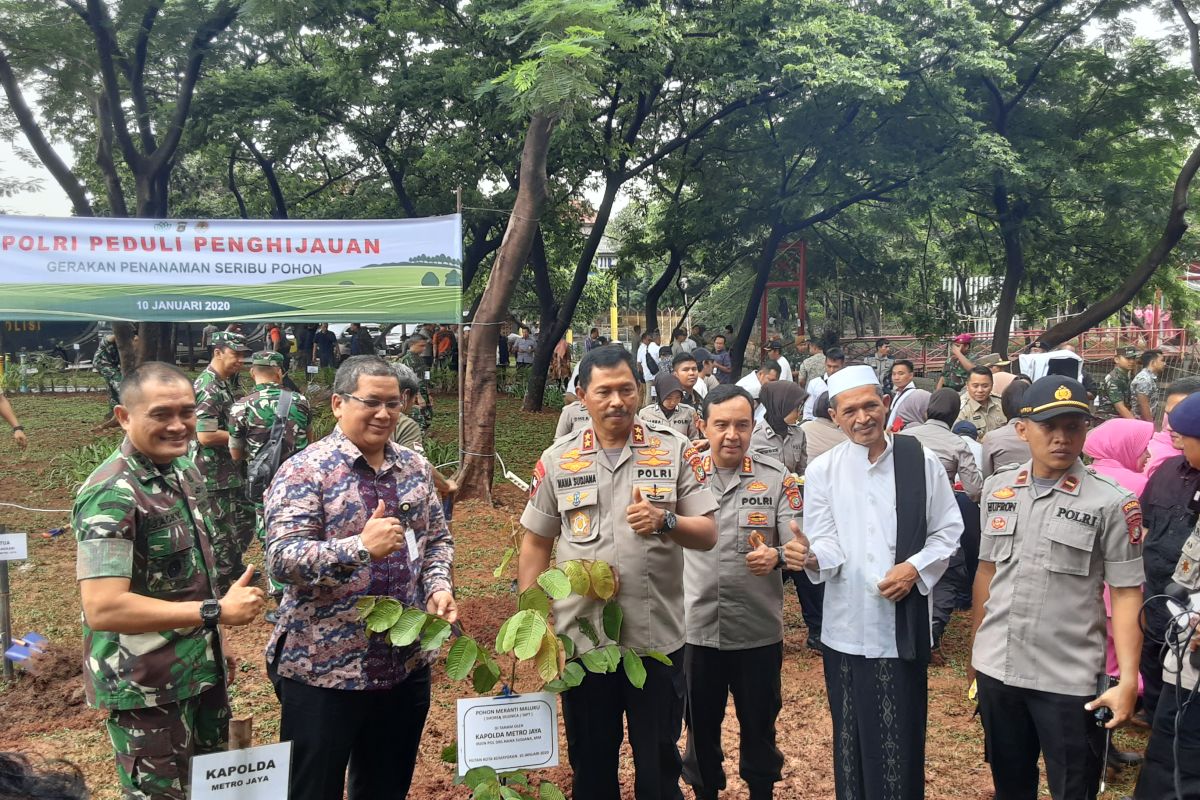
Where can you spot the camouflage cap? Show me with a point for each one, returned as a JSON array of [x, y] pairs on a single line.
[[1129, 352], [234, 341], [267, 358]]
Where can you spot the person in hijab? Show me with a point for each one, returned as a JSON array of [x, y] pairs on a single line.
[[669, 409], [777, 435], [1118, 449], [913, 411], [821, 433]]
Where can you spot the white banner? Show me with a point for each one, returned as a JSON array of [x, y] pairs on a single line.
[[193, 270]]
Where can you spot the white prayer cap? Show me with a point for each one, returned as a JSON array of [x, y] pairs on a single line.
[[851, 378]]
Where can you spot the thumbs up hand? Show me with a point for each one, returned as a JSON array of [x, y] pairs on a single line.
[[643, 517], [762, 559], [796, 554]]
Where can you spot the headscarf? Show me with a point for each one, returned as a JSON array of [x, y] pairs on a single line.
[[915, 408], [780, 398], [944, 405], [665, 382], [1116, 446]]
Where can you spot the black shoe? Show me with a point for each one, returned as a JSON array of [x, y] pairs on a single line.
[[1124, 758], [814, 643]]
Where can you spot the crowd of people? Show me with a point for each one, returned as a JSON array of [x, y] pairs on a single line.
[[887, 506]]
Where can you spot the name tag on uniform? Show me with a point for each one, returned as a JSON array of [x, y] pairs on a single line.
[[410, 541]]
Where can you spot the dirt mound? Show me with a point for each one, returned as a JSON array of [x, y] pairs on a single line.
[[49, 698]]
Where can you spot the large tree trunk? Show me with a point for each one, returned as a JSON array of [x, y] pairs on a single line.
[[547, 313], [659, 287], [479, 393], [762, 274], [1014, 267]]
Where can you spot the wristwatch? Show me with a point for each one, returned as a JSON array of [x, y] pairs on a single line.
[[669, 522], [210, 612], [779, 563], [362, 555]]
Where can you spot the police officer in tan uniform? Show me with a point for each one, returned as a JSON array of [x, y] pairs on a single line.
[[669, 410], [1053, 534], [574, 417], [633, 494], [734, 596]]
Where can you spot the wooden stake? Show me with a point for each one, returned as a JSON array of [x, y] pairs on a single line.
[[241, 733]]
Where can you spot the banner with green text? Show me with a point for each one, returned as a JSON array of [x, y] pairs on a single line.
[[194, 270]]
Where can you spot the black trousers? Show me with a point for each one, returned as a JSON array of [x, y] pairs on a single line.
[[812, 601], [1157, 780], [969, 542], [947, 593], [879, 708], [376, 733], [753, 677], [1018, 724], [594, 713]]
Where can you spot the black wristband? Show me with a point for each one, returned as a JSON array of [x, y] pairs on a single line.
[[18, 428]]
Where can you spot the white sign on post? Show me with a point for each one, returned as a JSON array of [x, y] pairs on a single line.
[[14, 546], [508, 733], [312, 369], [255, 773]]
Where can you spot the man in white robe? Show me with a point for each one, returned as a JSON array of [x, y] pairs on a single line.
[[880, 525]]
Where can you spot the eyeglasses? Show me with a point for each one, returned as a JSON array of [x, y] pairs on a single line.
[[373, 404]]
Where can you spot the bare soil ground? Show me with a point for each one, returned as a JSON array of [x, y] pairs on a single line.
[[44, 714]]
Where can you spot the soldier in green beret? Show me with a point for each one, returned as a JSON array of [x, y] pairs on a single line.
[[146, 571], [232, 513]]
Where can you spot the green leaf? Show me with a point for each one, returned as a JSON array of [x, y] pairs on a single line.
[[588, 629], [508, 556], [408, 627], [568, 645], [547, 657], [595, 661], [509, 793], [517, 778], [548, 791], [384, 614], [603, 583], [556, 686], [365, 604], [612, 620], [573, 674], [556, 583], [487, 674], [478, 775], [461, 658], [450, 753], [529, 636], [578, 576], [635, 670], [505, 635], [661, 658], [436, 632], [613, 654], [534, 599], [488, 790]]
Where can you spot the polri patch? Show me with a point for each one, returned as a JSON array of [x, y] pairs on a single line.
[[539, 473], [1133, 520]]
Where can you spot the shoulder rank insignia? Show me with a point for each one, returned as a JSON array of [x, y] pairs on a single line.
[[747, 466], [589, 440], [1070, 483], [639, 434]]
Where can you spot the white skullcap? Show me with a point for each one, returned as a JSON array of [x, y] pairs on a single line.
[[851, 378]]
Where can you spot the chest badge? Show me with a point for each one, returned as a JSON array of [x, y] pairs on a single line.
[[578, 498], [575, 465], [656, 493], [756, 518], [758, 487], [1004, 494], [581, 523], [999, 523], [653, 461]]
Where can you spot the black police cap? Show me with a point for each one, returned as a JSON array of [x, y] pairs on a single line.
[[1053, 396]]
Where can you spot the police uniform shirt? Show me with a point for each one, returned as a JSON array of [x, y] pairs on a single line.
[[728, 607], [790, 449], [1004, 447], [579, 497], [985, 417], [1044, 621], [950, 449], [574, 417], [682, 421]]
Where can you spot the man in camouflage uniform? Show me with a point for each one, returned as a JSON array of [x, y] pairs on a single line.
[[232, 512], [958, 367], [1116, 393], [250, 424], [152, 649], [107, 362], [414, 359]]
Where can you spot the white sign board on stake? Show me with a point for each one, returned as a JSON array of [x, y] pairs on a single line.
[[255, 773], [14, 546], [508, 733]]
